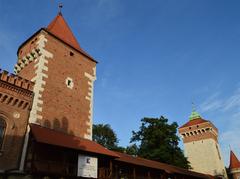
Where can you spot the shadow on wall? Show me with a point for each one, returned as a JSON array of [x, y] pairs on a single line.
[[42, 158], [59, 125], [9, 155], [59, 158]]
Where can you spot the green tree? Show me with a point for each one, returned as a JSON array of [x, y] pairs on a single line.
[[119, 149], [132, 150], [104, 135], [158, 141]]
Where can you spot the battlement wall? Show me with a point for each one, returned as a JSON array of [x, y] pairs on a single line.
[[16, 80]]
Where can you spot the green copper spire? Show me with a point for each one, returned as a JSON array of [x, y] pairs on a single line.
[[194, 114]]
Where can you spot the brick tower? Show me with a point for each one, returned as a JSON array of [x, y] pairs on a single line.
[[200, 139], [234, 166], [63, 74]]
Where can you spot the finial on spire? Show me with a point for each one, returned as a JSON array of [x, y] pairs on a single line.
[[193, 107], [194, 114], [60, 6]]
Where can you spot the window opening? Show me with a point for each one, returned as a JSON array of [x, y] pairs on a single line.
[[69, 83]]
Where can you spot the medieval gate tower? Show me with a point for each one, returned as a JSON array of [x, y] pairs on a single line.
[[63, 75], [200, 139]]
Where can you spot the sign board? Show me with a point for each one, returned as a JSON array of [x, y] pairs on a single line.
[[87, 166]]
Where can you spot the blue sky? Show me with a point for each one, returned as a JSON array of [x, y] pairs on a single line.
[[155, 57]]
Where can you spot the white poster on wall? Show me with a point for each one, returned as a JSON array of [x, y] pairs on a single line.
[[87, 166]]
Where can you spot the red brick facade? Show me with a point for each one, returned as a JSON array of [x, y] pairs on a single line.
[[62, 106], [199, 131], [15, 104]]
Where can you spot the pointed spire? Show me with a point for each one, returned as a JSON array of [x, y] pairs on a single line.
[[60, 29], [234, 162], [194, 114]]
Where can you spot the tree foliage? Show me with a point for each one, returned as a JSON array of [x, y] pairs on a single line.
[[104, 135], [158, 141], [132, 150]]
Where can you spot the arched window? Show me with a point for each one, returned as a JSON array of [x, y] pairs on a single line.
[[2, 130]]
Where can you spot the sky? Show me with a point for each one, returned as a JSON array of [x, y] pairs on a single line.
[[155, 58]]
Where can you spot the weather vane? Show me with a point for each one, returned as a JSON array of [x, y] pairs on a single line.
[[60, 6]]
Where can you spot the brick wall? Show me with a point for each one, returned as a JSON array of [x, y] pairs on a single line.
[[63, 85], [199, 132], [15, 104]]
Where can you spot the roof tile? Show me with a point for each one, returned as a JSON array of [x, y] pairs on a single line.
[[194, 122], [53, 137], [157, 165], [234, 162], [60, 28]]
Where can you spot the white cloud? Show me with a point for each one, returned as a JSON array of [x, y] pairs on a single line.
[[212, 103], [233, 101], [215, 102]]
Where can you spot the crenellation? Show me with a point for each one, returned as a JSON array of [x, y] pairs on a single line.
[[12, 78], [4, 75], [15, 80], [19, 82]]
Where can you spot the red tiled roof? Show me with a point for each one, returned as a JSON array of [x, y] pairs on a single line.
[[194, 122], [52, 137], [59, 28], [157, 165], [234, 162]]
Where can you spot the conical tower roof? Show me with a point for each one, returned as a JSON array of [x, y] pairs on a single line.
[[194, 115], [194, 119], [60, 28], [234, 162]]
